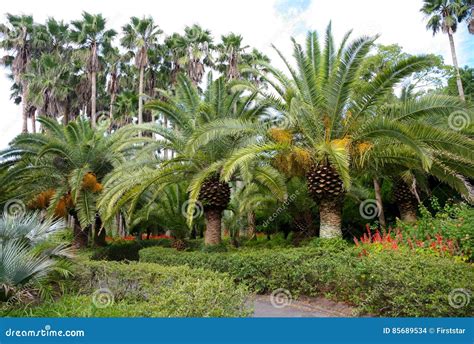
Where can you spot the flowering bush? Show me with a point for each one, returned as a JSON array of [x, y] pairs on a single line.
[[397, 239]]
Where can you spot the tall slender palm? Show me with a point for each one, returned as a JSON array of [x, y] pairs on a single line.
[[230, 55], [198, 45], [444, 15], [140, 35], [330, 125], [17, 38], [48, 81], [91, 34]]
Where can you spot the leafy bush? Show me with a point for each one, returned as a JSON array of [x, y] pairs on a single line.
[[389, 283], [144, 290], [27, 259], [451, 221], [127, 250]]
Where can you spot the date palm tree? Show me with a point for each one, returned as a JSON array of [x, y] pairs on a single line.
[[140, 35], [62, 169], [90, 33], [199, 163], [329, 126], [444, 15]]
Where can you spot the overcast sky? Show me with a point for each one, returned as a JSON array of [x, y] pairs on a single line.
[[260, 22]]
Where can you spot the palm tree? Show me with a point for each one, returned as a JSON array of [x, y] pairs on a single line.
[[48, 81], [23, 261], [330, 125], [230, 55], [90, 34], [198, 43], [198, 162], [62, 169], [140, 35], [17, 37], [444, 15]]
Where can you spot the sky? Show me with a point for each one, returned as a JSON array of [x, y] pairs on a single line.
[[260, 22]]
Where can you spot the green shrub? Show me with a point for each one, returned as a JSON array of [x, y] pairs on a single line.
[[389, 283], [261, 270], [144, 290], [127, 250]]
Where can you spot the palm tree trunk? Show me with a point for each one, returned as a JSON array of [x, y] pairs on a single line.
[[213, 226], [251, 229], [25, 106], [407, 212], [456, 67], [140, 96], [93, 99], [81, 236], [378, 199], [99, 233], [33, 122], [330, 214]]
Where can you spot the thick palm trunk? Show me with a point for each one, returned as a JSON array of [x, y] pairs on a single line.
[[213, 226], [140, 96], [456, 67], [25, 107], [99, 233], [330, 214], [93, 99], [251, 229], [407, 212], [378, 199]]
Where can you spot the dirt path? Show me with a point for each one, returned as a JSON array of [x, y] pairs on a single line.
[[303, 307]]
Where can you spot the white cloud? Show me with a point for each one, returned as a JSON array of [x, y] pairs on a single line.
[[257, 20]]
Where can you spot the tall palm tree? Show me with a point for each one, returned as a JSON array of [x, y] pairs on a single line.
[[198, 43], [230, 55], [444, 15], [90, 33], [48, 81], [330, 125], [139, 35], [17, 38]]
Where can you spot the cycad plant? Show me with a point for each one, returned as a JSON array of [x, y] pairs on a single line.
[[24, 263], [330, 125]]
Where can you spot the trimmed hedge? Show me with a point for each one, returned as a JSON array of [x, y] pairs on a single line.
[[145, 290], [388, 283], [127, 250]]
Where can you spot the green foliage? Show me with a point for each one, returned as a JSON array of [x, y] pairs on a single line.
[[127, 250], [144, 290], [451, 221], [388, 283], [26, 258]]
